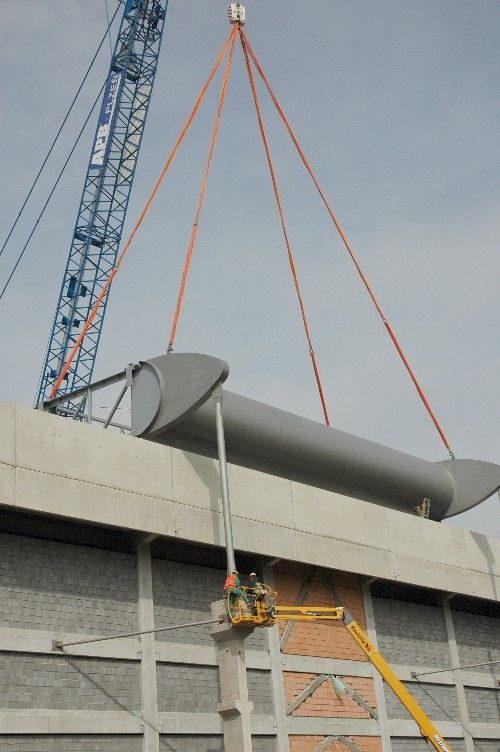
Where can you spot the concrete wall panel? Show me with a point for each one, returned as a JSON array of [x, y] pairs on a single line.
[[483, 705], [7, 484], [486, 745], [336, 516], [88, 502], [195, 689], [109, 458], [62, 587], [477, 640], [8, 433], [438, 701], [68, 683], [411, 633]]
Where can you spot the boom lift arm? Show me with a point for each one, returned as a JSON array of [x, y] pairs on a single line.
[[262, 611]]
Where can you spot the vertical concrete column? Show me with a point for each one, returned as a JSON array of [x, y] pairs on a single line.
[[234, 706], [459, 682], [277, 677], [149, 691], [379, 684]]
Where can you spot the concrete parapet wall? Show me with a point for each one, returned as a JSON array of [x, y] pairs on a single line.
[[411, 633], [77, 471]]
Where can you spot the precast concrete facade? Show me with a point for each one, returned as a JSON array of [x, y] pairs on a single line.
[[104, 534]]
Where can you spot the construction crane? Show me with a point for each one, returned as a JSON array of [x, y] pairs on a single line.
[[106, 192], [257, 608]]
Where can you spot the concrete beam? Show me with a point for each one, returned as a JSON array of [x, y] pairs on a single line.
[[485, 730], [34, 641], [449, 729], [307, 664], [205, 655], [69, 722], [332, 726], [211, 724]]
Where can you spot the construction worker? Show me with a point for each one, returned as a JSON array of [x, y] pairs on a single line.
[[232, 586], [257, 591]]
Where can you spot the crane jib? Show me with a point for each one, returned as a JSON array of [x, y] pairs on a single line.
[[106, 119]]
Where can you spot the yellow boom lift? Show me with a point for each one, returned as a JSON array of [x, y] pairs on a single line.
[[262, 611]]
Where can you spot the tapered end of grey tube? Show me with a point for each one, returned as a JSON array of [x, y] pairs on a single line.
[[474, 481], [168, 388]]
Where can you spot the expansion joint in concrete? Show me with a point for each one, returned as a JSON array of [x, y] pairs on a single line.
[[377, 679], [458, 675], [145, 612]]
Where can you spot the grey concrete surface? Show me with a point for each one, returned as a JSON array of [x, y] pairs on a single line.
[[77, 471]]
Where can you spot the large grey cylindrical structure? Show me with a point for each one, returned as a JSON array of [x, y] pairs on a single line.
[[171, 405]]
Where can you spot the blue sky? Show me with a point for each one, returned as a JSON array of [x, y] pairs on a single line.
[[396, 106]]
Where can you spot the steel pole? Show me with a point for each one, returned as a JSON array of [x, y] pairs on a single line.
[[224, 485]]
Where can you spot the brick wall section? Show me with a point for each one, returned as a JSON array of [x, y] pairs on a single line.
[[438, 701], [411, 634], [73, 743], [324, 702], [61, 587], [178, 743], [402, 744], [57, 683], [328, 639], [483, 705], [183, 593], [477, 640], [195, 689], [309, 743]]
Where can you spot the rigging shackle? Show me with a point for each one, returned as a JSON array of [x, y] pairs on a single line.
[[236, 14]]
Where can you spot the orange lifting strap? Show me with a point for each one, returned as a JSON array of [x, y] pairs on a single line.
[[248, 49], [248, 54], [194, 229]]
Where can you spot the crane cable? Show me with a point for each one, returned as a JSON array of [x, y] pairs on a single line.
[[285, 233], [201, 196], [51, 193], [347, 245], [139, 220], [56, 137]]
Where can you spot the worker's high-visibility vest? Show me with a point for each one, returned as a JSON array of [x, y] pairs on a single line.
[[230, 582]]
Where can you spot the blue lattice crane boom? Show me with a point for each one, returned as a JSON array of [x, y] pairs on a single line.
[[106, 192]]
